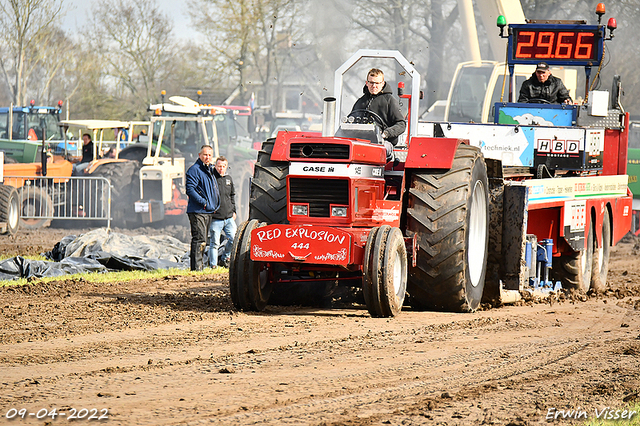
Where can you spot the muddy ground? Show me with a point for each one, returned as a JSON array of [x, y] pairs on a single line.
[[174, 351]]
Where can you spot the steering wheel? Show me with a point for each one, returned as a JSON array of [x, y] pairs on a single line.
[[538, 101], [372, 116]]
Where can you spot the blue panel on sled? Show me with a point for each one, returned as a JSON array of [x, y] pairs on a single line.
[[536, 114]]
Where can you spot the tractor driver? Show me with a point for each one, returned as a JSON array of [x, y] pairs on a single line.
[[542, 87], [378, 99]]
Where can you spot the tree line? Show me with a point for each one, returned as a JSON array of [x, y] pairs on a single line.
[[128, 51]]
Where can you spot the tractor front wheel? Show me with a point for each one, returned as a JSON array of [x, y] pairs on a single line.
[[9, 208], [249, 281], [385, 272]]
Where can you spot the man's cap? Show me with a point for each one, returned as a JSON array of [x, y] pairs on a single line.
[[542, 66]]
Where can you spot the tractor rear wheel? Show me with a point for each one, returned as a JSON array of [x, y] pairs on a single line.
[[384, 281], [249, 281], [449, 213], [242, 185], [600, 268], [136, 152], [120, 175], [268, 201], [9, 208], [574, 271], [35, 201]]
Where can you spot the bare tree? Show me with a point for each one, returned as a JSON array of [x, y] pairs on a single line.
[[133, 39], [253, 38], [228, 28], [27, 31], [420, 30]]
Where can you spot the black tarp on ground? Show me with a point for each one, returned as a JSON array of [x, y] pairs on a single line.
[[101, 251]]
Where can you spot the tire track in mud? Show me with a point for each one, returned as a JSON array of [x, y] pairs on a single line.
[[379, 391], [388, 383], [530, 357]]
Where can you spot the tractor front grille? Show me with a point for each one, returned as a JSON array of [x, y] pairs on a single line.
[[152, 190], [319, 193], [320, 151]]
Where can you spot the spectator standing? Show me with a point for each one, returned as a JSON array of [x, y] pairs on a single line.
[[225, 218], [204, 200]]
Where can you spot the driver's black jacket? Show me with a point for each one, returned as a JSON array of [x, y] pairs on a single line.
[[387, 107], [552, 90]]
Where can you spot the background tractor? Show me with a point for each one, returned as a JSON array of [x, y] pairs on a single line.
[[9, 205]]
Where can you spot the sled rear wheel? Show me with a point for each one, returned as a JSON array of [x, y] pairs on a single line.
[[574, 270]]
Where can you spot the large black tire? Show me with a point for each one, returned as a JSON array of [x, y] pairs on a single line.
[[268, 201], [449, 213], [136, 152], [600, 268], [574, 271], [384, 281], [9, 208], [120, 175], [249, 282], [242, 184], [35, 201]]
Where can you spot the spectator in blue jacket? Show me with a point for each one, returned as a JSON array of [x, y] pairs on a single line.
[[204, 200]]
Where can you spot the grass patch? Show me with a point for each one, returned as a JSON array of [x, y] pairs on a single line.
[[32, 257], [119, 276]]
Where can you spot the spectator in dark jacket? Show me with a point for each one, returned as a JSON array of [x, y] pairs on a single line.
[[204, 200], [87, 155], [87, 149], [225, 218], [542, 86], [378, 98]]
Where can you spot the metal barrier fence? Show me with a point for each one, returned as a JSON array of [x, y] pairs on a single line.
[[43, 198]]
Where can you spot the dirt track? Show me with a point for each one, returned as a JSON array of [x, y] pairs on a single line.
[[174, 351]]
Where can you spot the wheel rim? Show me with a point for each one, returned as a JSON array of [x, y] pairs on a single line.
[[14, 215], [397, 274], [477, 233]]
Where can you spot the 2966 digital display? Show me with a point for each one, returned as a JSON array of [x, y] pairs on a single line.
[[562, 46]]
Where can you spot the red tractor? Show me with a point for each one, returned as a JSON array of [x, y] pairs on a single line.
[[329, 209]]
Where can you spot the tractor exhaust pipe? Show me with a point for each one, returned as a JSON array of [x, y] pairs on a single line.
[[329, 116]]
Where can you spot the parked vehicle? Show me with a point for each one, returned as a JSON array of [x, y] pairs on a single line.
[[24, 131], [9, 205]]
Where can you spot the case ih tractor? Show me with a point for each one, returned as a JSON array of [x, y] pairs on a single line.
[[464, 212]]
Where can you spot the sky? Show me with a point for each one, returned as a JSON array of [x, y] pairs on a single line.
[[78, 12]]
